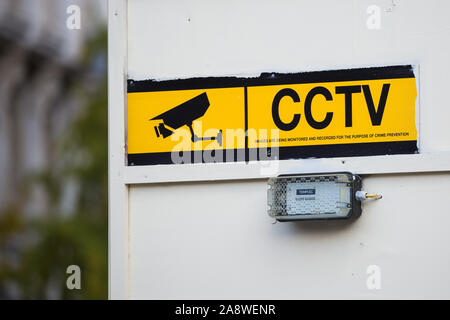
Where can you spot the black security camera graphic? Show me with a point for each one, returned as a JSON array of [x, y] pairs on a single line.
[[185, 114]]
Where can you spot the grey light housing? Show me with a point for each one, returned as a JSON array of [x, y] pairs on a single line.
[[314, 196]]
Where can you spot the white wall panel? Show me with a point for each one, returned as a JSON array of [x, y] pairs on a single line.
[[214, 239]]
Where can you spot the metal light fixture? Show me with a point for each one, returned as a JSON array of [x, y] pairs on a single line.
[[316, 196]]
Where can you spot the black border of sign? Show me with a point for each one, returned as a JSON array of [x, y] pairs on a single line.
[[285, 153], [271, 78], [293, 152]]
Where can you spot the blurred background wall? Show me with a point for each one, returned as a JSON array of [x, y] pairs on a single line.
[[53, 149]]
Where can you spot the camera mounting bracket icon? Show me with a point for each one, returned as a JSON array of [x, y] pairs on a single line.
[[183, 115]]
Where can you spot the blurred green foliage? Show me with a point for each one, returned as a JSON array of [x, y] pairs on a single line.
[[35, 253]]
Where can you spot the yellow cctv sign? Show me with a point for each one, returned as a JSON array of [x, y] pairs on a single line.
[[335, 112], [157, 120], [351, 112]]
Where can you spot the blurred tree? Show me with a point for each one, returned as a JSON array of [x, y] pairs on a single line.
[[56, 240]]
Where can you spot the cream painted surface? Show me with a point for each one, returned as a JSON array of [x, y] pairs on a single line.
[[214, 239], [173, 39]]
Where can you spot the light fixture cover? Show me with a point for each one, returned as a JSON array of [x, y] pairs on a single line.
[[314, 196]]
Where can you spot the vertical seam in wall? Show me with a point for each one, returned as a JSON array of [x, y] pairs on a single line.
[[125, 73], [125, 150], [128, 219]]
